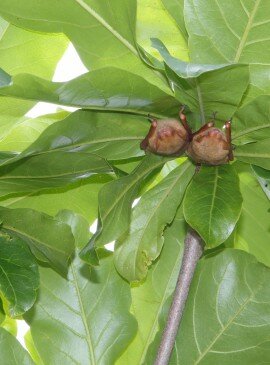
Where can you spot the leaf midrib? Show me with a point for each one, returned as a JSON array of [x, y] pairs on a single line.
[[103, 22]]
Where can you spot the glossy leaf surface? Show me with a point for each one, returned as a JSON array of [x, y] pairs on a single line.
[[113, 136], [136, 251], [108, 89], [19, 277], [213, 202]]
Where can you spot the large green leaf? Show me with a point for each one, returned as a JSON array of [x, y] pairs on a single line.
[[203, 86], [84, 320], [232, 31], [150, 299], [22, 134], [213, 202], [19, 277], [154, 21], [12, 353], [49, 239], [253, 227], [113, 136], [52, 170], [176, 9], [102, 32], [157, 207], [22, 51], [257, 153], [115, 200], [106, 89], [229, 296], [252, 121]]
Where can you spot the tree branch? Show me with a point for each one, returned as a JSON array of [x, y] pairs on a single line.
[[193, 250]]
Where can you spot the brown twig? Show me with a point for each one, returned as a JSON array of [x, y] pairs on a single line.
[[193, 250]]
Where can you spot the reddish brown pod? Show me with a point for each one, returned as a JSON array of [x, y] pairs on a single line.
[[167, 137], [210, 145]]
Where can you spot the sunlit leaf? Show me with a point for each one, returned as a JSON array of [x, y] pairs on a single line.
[[12, 353], [113, 136], [105, 89]]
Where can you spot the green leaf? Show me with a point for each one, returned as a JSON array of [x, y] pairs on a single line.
[[192, 83], [12, 353], [229, 296], [115, 200], [257, 153], [48, 238], [263, 176], [176, 10], [23, 51], [104, 35], [90, 312], [22, 134], [154, 21], [18, 269], [233, 32], [253, 227], [29, 343], [113, 136], [157, 207], [251, 122], [150, 299], [51, 170], [105, 89], [213, 202]]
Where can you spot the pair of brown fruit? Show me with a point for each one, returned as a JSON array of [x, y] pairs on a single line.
[[209, 145]]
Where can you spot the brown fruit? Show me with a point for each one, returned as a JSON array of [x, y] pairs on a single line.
[[166, 137], [211, 145]]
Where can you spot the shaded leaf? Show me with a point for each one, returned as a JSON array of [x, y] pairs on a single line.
[[19, 277], [106, 89], [150, 299], [12, 353], [113, 136], [115, 200], [136, 250], [230, 296], [49, 239], [213, 202], [52, 170], [203, 86], [89, 312]]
